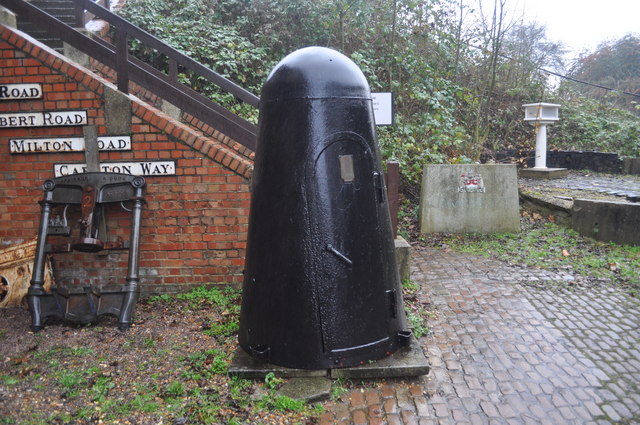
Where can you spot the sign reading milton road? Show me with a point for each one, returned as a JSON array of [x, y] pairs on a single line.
[[68, 144], [20, 91], [142, 168], [43, 119]]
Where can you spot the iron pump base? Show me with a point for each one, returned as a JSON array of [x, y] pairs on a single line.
[[89, 191]]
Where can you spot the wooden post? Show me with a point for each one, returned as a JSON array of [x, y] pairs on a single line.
[[122, 60], [393, 190], [92, 159], [173, 70], [79, 12], [91, 148]]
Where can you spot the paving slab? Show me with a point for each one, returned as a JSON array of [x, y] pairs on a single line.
[[309, 389], [626, 187]]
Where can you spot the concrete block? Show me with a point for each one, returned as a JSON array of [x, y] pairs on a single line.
[[631, 165], [172, 110], [469, 198], [403, 258], [310, 390], [117, 111], [76, 55], [8, 18], [607, 221]]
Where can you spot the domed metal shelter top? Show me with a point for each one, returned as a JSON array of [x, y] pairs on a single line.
[[315, 72]]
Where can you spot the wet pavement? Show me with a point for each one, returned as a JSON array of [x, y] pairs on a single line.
[[510, 345], [625, 187]]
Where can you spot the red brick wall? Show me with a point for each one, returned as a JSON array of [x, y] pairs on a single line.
[[194, 226]]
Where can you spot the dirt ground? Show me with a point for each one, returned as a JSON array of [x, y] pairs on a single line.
[[169, 368]]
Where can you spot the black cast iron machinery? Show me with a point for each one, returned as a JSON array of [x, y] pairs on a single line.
[[90, 192], [321, 286]]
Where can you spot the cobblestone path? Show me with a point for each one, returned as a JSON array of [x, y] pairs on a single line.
[[505, 351]]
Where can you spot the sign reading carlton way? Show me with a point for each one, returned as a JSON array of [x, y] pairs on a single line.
[[43, 119], [142, 168], [20, 91], [67, 144]]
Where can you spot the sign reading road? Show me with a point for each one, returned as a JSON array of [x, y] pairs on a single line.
[[67, 144], [43, 119], [20, 91]]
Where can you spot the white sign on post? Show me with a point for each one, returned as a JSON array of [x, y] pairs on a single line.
[[20, 91], [383, 108], [43, 119], [142, 168], [67, 144]]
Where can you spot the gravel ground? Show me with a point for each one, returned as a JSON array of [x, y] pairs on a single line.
[[165, 370]]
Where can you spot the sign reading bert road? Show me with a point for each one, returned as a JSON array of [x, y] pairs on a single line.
[[43, 119]]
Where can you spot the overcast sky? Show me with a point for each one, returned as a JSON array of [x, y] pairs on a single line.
[[583, 24], [579, 24]]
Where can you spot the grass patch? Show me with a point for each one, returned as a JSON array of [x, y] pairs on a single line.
[[416, 311], [410, 287], [338, 389], [206, 364], [226, 298], [72, 382], [417, 323], [53, 354], [9, 380], [279, 403], [552, 247]]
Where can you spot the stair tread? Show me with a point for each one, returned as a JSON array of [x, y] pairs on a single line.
[[64, 10]]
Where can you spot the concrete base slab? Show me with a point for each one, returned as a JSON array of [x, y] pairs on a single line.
[[409, 361], [246, 367], [543, 173], [308, 389]]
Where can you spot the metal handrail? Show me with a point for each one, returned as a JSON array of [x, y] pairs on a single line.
[[116, 56]]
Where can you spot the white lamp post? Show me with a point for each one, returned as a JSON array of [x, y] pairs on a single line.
[[540, 115]]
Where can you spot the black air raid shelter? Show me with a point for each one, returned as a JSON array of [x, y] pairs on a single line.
[[321, 286]]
